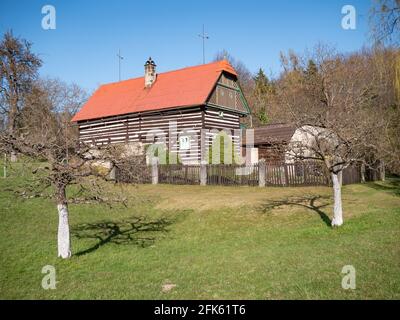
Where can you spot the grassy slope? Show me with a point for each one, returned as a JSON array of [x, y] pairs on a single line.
[[212, 242]]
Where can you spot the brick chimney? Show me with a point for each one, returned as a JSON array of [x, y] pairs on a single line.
[[149, 73]]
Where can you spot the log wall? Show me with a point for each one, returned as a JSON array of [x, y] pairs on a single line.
[[153, 127]]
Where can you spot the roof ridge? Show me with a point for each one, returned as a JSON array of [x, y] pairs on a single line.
[[193, 67], [166, 72]]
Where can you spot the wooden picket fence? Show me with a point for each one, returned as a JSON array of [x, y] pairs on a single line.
[[352, 175], [232, 175], [301, 173], [179, 174]]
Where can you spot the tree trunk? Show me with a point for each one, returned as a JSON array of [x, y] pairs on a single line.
[[337, 198], [64, 245], [382, 170], [363, 173], [11, 126]]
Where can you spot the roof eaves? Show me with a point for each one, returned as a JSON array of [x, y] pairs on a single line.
[[137, 112]]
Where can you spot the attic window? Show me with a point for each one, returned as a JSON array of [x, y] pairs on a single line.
[[221, 114]]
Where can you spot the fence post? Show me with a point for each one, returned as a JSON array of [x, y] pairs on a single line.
[[261, 173], [285, 168], [203, 174], [154, 170]]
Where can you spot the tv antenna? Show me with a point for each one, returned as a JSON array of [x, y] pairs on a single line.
[[119, 64], [204, 37]]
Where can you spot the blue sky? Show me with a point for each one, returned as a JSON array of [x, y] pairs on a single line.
[[88, 34]]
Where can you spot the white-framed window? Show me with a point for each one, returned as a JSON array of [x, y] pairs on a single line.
[[184, 143], [221, 114]]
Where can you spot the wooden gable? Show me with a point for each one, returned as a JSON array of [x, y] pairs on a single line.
[[228, 95]]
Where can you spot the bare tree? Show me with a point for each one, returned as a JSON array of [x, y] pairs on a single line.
[[385, 21], [337, 112], [18, 69], [49, 135], [385, 32]]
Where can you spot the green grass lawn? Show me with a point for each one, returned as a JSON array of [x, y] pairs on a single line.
[[210, 242]]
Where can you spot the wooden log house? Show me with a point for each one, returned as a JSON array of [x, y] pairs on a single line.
[[188, 103]]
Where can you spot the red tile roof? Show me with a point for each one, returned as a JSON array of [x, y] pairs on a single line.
[[185, 87]]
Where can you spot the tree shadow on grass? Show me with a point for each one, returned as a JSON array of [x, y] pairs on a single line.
[[138, 231], [391, 185], [307, 201]]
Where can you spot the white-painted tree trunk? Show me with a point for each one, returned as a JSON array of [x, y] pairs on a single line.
[[363, 173], [382, 170], [64, 245], [337, 199]]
